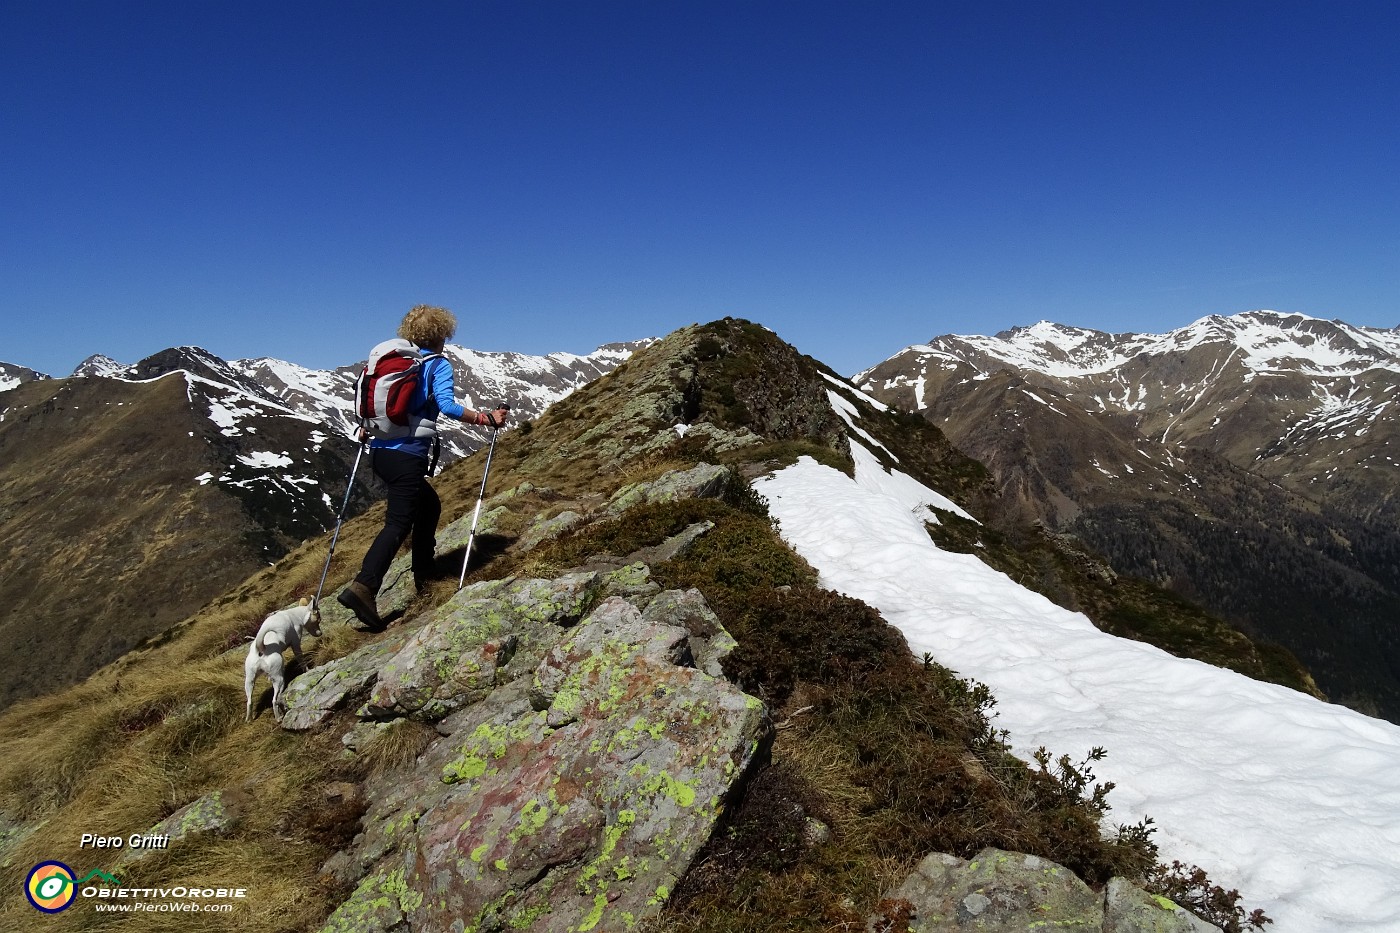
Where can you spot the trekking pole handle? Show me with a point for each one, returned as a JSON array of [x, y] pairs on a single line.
[[502, 406]]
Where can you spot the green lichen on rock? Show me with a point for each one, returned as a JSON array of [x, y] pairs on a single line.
[[1130, 909], [486, 635], [574, 795], [702, 481], [315, 695], [378, 905], [215, 814], [480, 753], [543, 529], [998, 890]]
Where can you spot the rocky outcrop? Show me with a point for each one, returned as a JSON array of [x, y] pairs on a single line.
[[1006, 892], [709, 643], [587, 745], [703, 481], [548, 528], [316, 695], [469, 645], [1130, 909]]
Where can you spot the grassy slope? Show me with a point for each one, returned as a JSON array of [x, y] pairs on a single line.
[[63, 455]]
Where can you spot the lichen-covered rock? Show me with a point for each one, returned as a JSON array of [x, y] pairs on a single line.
[[545, 529], [996, 892], [215, 814], [703, 481], [316, 694], [455, 535], [377, 906], [632, 582], [466, 647], [710, 643], [574, 805], [1129, 909], [617, 635], [560, 601], [714, 439], [1005, 892]]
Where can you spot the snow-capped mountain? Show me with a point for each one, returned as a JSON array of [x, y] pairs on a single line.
[[323, 400], [12, 375], [1297, 399], [1247, 462], [99, 365], [528, 384], [1267, 342], [183, 473]]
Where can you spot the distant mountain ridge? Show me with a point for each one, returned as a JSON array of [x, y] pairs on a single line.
[[183, 473], [12, 375], [1247, 462], [1294, 398], [1271, 342], [529, 384]]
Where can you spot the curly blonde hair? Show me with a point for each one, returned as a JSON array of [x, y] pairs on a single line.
[[428, 326]]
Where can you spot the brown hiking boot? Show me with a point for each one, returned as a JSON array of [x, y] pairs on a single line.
[[358, 599]]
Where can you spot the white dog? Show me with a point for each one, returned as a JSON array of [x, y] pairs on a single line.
[[279, 631]]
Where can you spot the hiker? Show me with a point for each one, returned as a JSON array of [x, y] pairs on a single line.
[[403, 464]]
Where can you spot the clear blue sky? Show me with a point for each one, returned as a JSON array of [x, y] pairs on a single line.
[[287, 178]]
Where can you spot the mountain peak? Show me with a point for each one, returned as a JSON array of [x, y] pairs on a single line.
[[12, 375], [99, 365], [195, 360]]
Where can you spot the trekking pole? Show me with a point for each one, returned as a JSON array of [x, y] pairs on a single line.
[[471, 538], [350, 487]]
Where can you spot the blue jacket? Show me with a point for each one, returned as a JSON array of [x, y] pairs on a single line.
[[433, 396]]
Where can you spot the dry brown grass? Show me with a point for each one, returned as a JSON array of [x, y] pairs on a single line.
[[142, 755], [831, 770], [396, 746], [162, 727]]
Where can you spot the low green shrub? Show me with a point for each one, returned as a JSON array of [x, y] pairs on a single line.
[[912, 761]]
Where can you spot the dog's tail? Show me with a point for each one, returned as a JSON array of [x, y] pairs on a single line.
[[261, 646]]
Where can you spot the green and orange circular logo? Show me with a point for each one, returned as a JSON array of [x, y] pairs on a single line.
[[50, 887]]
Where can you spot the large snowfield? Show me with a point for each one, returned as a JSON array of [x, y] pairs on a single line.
[[1293, 801]]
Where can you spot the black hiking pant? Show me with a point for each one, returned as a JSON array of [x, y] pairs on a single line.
[[413, 506]]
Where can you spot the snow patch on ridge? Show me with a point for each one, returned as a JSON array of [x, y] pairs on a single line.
[[848, 413], [1293, 801]]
